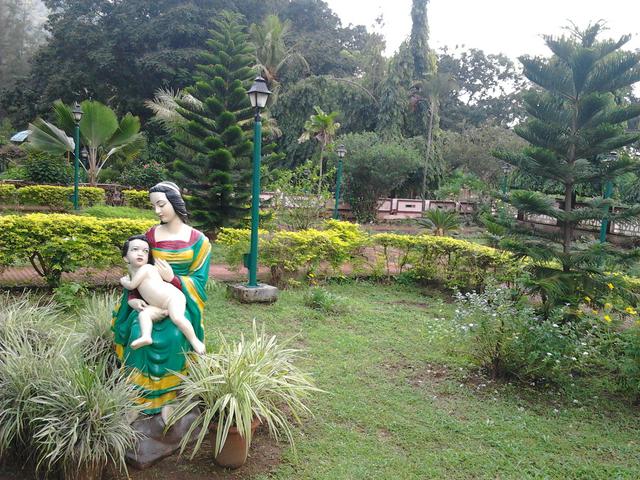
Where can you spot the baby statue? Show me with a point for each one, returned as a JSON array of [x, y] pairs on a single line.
[[161, 298]]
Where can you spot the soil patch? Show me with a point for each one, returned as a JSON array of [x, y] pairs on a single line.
[[264, 456]]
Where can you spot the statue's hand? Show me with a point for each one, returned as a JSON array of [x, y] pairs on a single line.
[[164, 269], [137, 304], [125, 282]]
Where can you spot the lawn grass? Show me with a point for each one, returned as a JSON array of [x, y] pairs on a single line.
[[404, 402]]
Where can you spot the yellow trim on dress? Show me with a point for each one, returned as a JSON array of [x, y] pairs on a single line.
[[173, 257], [150, 403], [193, 292], [156, 383], [205, 249]]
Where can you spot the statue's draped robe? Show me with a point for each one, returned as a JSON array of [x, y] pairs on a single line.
[[151, 366]]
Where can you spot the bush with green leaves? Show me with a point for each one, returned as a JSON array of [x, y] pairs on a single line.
[[57, 243], [451, 262], [7, 193], [45, 168], [324, 301], [287, 253], [70, 295], [136, 198], [57, 197], [143, 174]]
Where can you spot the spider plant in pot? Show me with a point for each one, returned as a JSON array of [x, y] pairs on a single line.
[[237, 388]]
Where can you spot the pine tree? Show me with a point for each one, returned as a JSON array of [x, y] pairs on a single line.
[[574, 121], [214, 143]]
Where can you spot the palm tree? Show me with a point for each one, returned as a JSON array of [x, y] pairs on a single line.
[[100, 132], [430, 91], [440, 222], [272, 52], [323, 127]]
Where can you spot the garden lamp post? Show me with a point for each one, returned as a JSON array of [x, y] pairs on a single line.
[[505, 177], [77, 116], [341, 151], [258, 94], [608, 190]]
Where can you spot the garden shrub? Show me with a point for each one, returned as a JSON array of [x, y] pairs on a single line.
[[136, 198], [7, 193], [57, 243], [143, 174], [44, 167], [454, 263], [287, 253], [57, 197]]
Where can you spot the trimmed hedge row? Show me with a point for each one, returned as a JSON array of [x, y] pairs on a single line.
[[136, 198], [454, 263], [52, 196], [57, 243]]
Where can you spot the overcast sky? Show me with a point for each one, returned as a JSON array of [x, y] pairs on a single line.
[[512, 27]]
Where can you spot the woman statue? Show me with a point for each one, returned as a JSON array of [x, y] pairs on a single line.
[[181, 255]]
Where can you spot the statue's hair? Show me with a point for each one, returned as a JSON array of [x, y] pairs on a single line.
[[125, 247], [172, 192]]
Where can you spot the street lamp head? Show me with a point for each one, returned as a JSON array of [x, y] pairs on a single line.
[[341, 151], [84, 154], [259, 93], [506, 169], [77, 112]]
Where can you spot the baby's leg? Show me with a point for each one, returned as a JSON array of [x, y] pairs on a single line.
[[146, 318], [176, 307]]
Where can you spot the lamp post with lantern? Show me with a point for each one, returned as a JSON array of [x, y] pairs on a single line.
[[340, 151], [608, 190], [77, 116], [258, 94]]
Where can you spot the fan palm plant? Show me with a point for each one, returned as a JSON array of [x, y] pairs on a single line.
[[100, 133], [440, 222], [239, 384]]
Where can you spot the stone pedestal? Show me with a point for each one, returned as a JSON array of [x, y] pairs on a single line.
[[154, 444], [263, 293]]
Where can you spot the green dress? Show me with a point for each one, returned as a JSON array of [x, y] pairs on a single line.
[[152, 366]]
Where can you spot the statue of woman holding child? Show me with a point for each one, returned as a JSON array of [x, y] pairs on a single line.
[[180, 255]]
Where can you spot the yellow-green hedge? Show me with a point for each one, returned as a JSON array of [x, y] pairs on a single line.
[[288, 252], [453, 262], [136, 198], [7, 193], [52, 196], [63, 242]]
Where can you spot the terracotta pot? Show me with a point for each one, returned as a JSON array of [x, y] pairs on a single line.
[[235, 450]]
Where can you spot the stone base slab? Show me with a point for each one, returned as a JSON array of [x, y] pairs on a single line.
[[263, 293]]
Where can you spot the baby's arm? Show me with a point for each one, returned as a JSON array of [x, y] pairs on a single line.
[[137, 279]]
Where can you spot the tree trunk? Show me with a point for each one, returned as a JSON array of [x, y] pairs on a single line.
[[320, 179], [428, 155]]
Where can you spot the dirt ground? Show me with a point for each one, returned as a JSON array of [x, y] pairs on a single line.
[[265, 454]]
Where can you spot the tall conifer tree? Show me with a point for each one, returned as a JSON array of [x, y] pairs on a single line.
[[214, 144], [574, 122]]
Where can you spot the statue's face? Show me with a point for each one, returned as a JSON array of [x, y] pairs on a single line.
[[138, 253], [162, 207]]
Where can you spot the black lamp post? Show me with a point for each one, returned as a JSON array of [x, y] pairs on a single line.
[[77, 116], [258, 94], [505, 178], [340, 151]]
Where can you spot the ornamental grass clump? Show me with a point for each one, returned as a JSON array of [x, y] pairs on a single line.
[[254, 379], [96, 337], [324, 301], [78, 421]]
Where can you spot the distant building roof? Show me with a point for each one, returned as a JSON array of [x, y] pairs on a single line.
[[20, 136]]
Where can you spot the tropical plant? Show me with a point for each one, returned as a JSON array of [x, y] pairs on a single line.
[[574, 122], [100, 132], [324, 301], [211, 131], [322, 127], [253, 379], [440, 221], [272, 52]]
